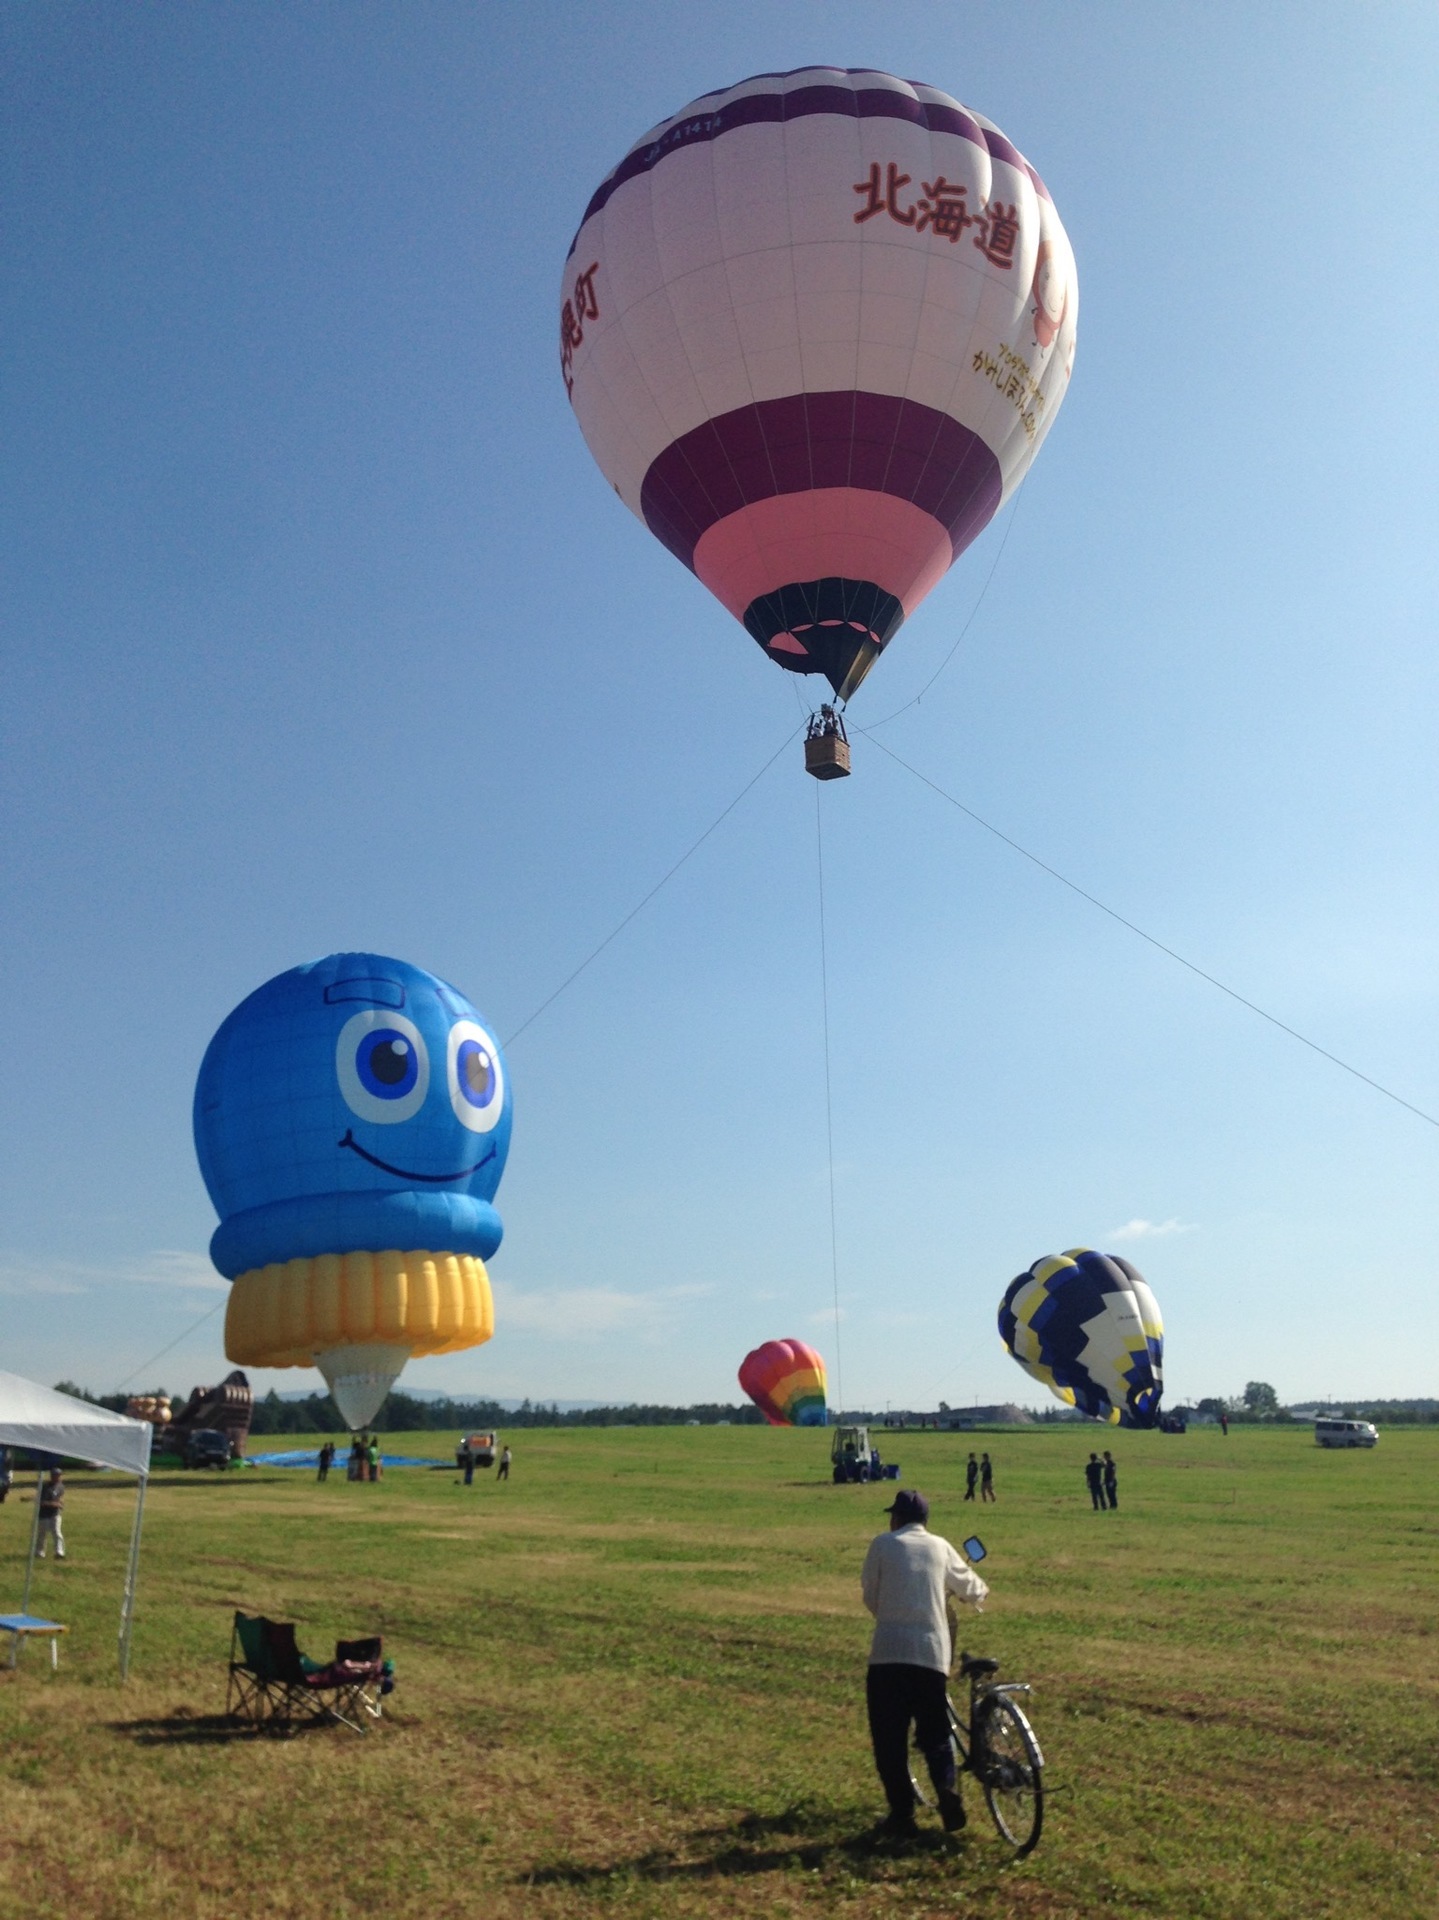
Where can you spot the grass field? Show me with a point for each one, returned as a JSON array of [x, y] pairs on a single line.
[[630, 1682]]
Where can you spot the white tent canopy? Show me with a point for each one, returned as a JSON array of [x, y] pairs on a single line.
[[44, 1421], [49, 1422]]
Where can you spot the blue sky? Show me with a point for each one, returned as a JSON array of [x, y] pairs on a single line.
[[322, 630]]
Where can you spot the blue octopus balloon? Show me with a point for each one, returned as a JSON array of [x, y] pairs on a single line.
[[352, 1119]]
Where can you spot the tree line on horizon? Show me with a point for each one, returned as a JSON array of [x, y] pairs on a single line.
[[406, 1413]]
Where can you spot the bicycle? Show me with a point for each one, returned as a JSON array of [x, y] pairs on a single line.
[[998, 1747]]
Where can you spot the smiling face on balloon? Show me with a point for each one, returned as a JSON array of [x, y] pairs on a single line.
[[356, 1102]]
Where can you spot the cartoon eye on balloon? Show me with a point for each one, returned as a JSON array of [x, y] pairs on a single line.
[[477, 1080], [382, 1066]]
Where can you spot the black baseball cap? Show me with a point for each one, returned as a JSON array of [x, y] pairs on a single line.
[[910, 1506]]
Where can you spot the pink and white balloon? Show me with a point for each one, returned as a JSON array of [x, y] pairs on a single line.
[[815, 328]]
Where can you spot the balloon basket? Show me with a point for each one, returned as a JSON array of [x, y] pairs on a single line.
[[826, 746]]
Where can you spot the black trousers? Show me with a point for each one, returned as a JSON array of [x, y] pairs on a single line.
[[1096, 1495], [897, 1695]]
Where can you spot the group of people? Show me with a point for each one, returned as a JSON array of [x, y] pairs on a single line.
[[364, 1462], [1102, 1479], [981, 1471]]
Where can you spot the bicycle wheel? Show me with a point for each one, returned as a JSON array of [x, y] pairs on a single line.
[[1011, 1769]]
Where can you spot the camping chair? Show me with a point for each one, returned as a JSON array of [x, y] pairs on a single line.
[[272, 1684]]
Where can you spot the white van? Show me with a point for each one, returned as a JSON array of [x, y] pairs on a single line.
[[1345, 1433]]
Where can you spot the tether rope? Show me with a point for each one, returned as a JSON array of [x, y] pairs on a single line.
[[828, 1105], [1149, 938]]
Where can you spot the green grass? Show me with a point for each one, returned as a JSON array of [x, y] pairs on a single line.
[[631, 1682]]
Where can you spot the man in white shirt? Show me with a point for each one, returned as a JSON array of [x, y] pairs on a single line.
[[908, 1573]]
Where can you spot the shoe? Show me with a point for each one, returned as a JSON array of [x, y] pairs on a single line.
[[897, 1826], [951, 1810]]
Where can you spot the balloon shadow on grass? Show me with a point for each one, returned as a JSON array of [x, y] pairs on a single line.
[[797, 1838]]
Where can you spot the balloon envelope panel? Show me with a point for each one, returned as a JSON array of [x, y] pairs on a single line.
[[1089, 1327], [787, 1382], [815, 328]]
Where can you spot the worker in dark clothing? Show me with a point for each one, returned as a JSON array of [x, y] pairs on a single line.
[[971, 1474], [1111, 1479], [986, 1478], [1094, 1480]]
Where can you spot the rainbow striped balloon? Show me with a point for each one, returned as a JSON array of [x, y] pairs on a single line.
[[786, 1380]]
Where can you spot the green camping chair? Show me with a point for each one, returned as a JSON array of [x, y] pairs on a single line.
[[273, 1685]]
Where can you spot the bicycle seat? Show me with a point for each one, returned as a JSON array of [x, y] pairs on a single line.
[[972, 1666]]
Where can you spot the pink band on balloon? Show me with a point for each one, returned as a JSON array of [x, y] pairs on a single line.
[[847, 532]]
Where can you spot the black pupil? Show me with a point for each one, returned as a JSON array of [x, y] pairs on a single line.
[[477, 1073], [390, 1062]]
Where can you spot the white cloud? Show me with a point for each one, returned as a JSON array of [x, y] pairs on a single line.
[[580, 1313], [22, 1274], [1150, 1229]]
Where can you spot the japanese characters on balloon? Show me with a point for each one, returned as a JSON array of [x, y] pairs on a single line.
[[815, 329], [787, 1382], [1087, 1325], [352, 1119]]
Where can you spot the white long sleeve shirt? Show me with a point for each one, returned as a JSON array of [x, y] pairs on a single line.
[[906, 1577]]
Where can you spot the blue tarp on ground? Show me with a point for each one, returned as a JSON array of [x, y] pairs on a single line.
[[309, 1457]]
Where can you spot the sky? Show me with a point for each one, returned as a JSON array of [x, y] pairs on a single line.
[[321, 631]]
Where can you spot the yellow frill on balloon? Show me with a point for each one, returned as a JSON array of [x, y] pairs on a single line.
[[284, 1314]]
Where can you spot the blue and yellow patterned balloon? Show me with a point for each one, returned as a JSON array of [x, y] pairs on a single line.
[[1087, 1325], [352, 1119]]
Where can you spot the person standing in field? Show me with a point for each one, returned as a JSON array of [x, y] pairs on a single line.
[[971, 1474], [1111, 1479], [52, 1501], [372, 1455], [6, 1476], [986, 1478], [1224, 1424], [908, 1574], [327, 1454], [505, 1459], [1094, 1480]]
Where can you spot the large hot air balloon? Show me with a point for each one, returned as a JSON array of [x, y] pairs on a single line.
[[352, 1119], [1087, 1325], [787, 1382], [815, 327]]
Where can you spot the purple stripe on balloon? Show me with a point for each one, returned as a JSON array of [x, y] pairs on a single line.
[[865, 103], [872, 441]]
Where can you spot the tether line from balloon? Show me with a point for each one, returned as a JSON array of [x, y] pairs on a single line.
[[1129, 925], [658, 886], [828, 1104], [959, 641], [194, 1327]]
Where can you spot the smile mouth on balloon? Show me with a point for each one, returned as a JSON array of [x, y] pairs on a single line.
[[404, 1173]]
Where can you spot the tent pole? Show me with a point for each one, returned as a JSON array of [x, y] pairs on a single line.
[[34, 1540], [127, 1606]]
